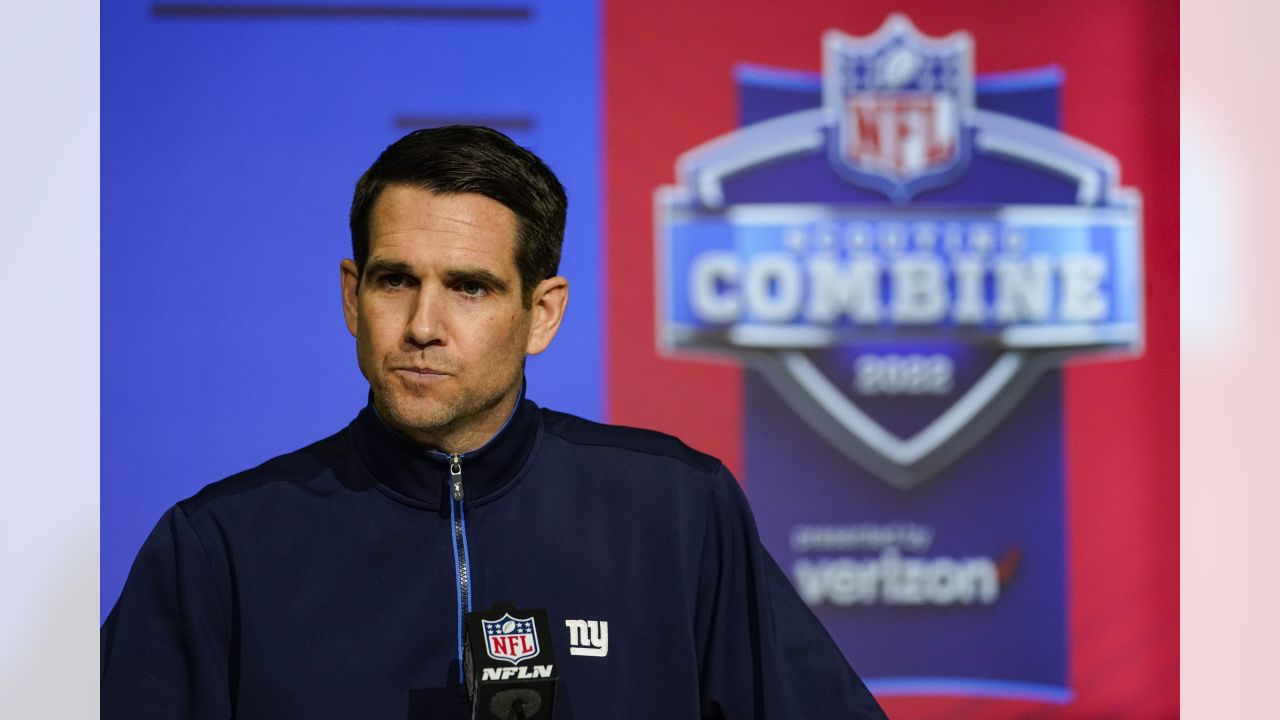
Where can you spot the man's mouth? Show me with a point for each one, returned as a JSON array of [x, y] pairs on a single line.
[[420, 371]]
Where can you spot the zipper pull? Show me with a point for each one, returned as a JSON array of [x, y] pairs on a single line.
[[455, 477]]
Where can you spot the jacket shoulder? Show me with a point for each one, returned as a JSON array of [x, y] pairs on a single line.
[[299, 466], [580, 431]]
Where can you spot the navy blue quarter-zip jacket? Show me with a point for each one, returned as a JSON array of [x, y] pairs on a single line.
[[331, 582]]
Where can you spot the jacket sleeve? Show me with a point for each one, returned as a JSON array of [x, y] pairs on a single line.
[[763, 654], [165, 645]]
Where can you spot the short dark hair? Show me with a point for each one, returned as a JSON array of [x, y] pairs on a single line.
[[470, 159]]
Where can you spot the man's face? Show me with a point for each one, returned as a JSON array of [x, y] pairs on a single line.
[[441, 332]]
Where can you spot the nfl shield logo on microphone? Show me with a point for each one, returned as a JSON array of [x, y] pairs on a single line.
[[511, 639]]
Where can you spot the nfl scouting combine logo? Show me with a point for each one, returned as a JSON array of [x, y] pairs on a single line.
[[942, 257], [510, 638], [906, 252]]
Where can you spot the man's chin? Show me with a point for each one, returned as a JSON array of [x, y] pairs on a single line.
[[433, 422], [412, 416], [419, 419]]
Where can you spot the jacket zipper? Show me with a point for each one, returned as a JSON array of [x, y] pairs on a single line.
[[460, 559]]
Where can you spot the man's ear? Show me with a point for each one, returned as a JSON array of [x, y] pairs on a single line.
[[548, 303], [350, 294]]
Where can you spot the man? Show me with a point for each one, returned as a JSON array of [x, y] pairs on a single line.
[[333, 582]]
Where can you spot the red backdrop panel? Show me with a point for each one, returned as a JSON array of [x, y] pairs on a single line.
[[669, 87]]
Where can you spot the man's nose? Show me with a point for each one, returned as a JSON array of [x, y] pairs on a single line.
[[427, 319]]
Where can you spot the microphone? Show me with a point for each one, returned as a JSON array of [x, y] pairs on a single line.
[[509, 664]]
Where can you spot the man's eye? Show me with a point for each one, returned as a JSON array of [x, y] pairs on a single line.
[[472, 289], [394, 280]]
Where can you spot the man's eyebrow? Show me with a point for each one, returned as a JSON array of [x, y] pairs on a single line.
[[477, 275], [387, 266]]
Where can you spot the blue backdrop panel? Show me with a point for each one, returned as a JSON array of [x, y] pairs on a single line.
[[231, 141], [908, 472]]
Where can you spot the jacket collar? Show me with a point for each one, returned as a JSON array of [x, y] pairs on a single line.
[[421, 476]]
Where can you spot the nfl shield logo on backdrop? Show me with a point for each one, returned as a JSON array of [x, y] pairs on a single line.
[[510, 638], [899, 103]]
